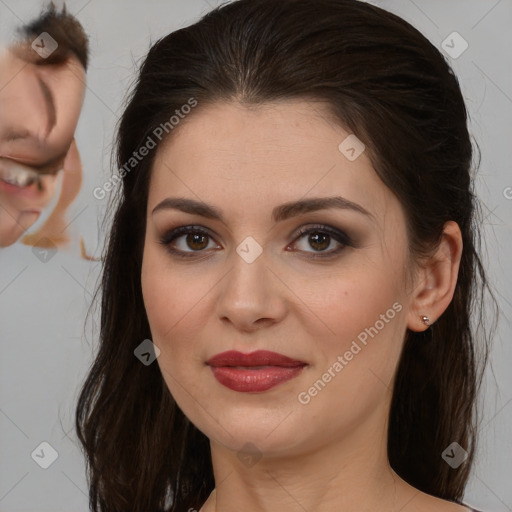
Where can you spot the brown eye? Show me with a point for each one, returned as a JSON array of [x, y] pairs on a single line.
[[319, 241], [186, 241], [197, 241], [320, 238]]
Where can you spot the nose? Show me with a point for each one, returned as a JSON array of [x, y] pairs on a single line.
[[23, 103], [251, 295]]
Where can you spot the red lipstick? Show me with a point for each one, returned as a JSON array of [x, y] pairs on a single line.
[[253, 372]]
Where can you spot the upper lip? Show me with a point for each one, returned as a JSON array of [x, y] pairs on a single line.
[[51, 169], [257, 358], [21, 175]]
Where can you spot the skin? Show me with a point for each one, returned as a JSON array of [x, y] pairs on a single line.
[[40, 143], [53, 231], [330, 454]]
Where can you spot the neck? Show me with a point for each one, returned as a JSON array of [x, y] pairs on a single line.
[[349, 474]]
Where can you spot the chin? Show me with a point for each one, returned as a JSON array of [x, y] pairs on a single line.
[[272, 432], [259, 444], [5, 243], [7, 237]]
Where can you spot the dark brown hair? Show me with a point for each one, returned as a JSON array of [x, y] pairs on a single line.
[[65, 29], [386, 83]]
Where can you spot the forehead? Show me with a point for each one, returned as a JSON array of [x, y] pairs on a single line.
[[228, 153]]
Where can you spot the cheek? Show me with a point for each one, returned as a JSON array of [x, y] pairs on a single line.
[[348, 301], [364, 314], [176, 306], [360, 303], [358, 361], [172, 299]]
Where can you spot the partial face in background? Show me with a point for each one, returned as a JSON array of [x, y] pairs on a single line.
[[39, 110], [306, 296]]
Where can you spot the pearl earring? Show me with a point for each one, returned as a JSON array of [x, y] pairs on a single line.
[[426, 320]]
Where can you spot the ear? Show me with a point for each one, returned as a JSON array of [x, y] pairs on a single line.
[[436, 280]]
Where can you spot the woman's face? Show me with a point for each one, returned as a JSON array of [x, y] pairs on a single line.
[[336, 305]]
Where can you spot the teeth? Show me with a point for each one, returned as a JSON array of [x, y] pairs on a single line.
[[19, 176]]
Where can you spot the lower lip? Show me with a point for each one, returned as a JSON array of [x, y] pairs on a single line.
[[245, 379], [28, 191]]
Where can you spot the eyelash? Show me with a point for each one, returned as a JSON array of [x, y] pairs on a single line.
[[337, 235]]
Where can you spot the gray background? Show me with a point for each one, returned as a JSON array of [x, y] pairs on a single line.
[[46, 343]]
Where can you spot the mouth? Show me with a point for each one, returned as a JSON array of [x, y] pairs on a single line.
[[254, 372], [19, 176]]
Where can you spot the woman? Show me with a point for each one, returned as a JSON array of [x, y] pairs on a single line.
[[297, 236]]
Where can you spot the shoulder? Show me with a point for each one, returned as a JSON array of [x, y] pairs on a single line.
[[469, 509], [440, 505], [419, 501]]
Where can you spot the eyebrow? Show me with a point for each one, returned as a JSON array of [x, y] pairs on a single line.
[[279, 213]]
